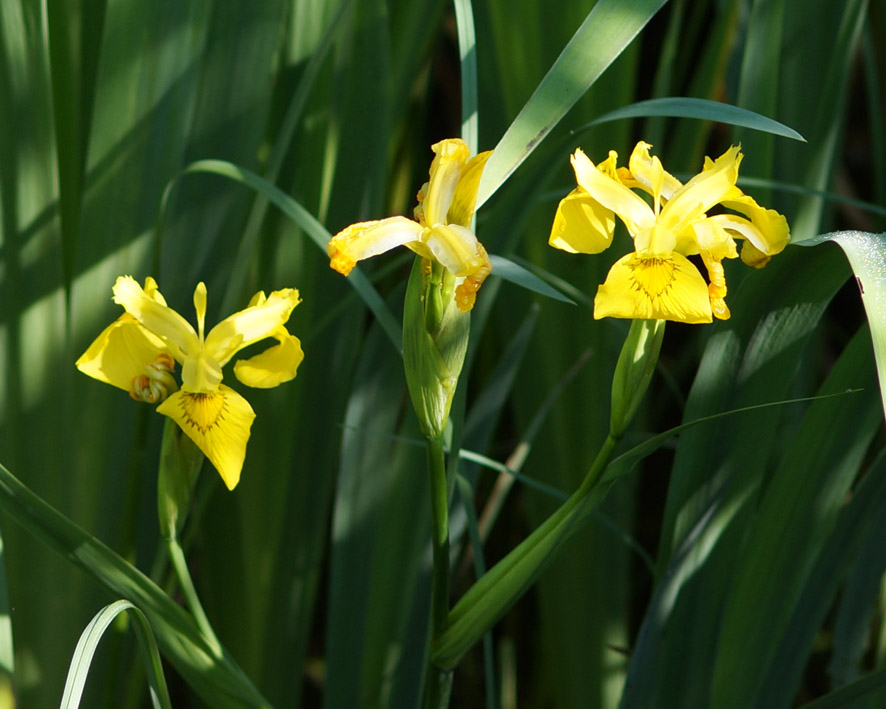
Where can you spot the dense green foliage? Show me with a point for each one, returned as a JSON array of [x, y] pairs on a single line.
[[735, 563]]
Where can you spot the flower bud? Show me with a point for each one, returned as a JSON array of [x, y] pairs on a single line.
[[634, 369], [435, 339]]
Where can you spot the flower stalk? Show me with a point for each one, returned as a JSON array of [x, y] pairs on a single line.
[[439, 681], [180, 463], [496, 591]]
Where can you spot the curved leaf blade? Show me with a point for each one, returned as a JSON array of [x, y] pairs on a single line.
[[702, 109], [88, 644]]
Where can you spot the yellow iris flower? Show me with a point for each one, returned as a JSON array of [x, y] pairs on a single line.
[[658, 281], [138, 352], [441, 229]]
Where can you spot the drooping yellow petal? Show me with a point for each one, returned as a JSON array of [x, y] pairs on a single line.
[[218, 422], [717, 286], [466, 291], [250, 325], [654, 288], [702, 192], [365, 239], [121, 352], [582, 225], [274, 366], [161, 320], [450, 157], [461, 211], [456, 248], [612, 194], [770, 233]]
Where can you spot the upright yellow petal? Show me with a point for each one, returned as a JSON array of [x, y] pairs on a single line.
[[219, 423], [200, 307], [582, 225], [461, 210], [156, 317], [446, 169], [612, 194], [642, 168], [250, 325], [703, 191], [274, 366], [654, 288], [121, 352], [365, 239]]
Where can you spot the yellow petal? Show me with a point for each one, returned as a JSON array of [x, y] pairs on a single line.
[[717, 286], [461, 211], [456, 248], [366, 239], [711, 238], [156, 317], [769, 233], [445, 173], [466, 291], [201, 372], [274, 366], [250, 325], [654, 288], [612, 194], [218, 422], [121, 352], [702, 192], [582, 224], [643, 169], [752, 256], [200, 307]]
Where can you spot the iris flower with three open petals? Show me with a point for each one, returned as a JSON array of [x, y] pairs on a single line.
[[657, 280], [138, 352]]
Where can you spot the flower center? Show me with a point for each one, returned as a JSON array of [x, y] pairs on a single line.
[[652, 276], [202, 411]]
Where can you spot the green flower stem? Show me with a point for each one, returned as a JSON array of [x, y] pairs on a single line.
[[180, 564], [439, 681], [494, 593]]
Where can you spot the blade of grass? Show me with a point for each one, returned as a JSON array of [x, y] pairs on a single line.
[[88, 644], [313, 228], [608, 29], [217, 679]]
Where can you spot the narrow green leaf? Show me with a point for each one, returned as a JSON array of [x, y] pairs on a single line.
[[701, 109], [846, 696], [88, 643], [607, 30], [217, 679], [313, 228], [467, 53], [800, 508], [515, 273]]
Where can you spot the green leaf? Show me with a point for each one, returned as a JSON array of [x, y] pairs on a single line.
[[515, 273], [607, 30], [308, 222], [701, 109], [217, 679], [867, 257], [88, 643]]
